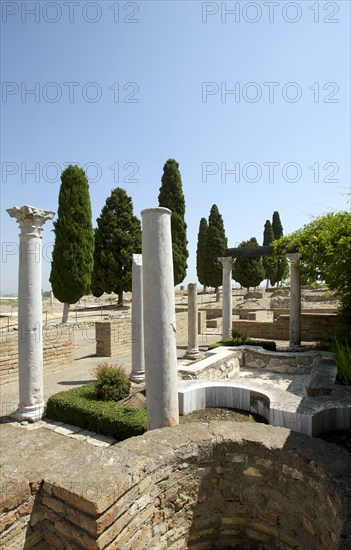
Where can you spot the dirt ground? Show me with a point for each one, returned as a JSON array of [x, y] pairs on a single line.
[[137, 399]]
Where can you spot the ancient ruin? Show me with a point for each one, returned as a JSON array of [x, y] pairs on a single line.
[[159, 319], [138, 356], [30, 341]]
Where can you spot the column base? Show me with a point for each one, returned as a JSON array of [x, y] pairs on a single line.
[[295, 348], [192, 354], [31, 413], [137, 377]]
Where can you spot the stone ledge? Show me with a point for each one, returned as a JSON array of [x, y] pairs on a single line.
[[181, 488], [310, 416], [322, 379]]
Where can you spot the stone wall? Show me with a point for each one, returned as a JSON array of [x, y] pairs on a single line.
[[314, 327], [317, 310], [196, 486], [57, 351], [201, 322], [114, 338]]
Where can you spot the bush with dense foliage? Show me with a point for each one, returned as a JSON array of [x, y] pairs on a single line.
[[215, 246], [342, 358], [325, 247], [201, 260], [239, 339], [249, 272], [117, 238], [73, 252], [112, 382], [82, 407], [171, 196]]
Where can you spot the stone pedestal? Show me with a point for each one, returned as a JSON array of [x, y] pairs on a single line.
[[227, 301], [30, 338], [138, 361], [159, 319], [295, 302], [193, 347]]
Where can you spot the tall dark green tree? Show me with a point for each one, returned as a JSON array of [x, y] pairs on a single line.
[[72, 256], [201, 264], [171, 196], [277, 226], [282, 269], [117, 238], [269, 263], [248, 271], [216, 244]]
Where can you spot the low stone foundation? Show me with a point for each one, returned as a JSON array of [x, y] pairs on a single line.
[[282, 362], [318, 406], [197, 486]]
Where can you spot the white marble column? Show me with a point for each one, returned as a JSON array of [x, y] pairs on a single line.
[[30, 337], [159, 319], [295, 301], [227, 300], [193, 347], [138, 361]]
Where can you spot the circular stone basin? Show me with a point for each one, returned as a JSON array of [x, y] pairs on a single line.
[[245, 486]]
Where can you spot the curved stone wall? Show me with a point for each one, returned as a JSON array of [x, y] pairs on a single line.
[[197, 486], [239, 486]]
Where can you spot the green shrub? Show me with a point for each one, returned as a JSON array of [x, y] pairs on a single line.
[[242, 340], [81, 407], [265, 344], [112, 383], [239, 339], [342, 358]]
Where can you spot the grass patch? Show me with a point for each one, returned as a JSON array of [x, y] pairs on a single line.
[[342, 358], [81, 407]]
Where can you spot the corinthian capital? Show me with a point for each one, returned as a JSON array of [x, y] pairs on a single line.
[[29, 218], [293, 257], [227, 262]]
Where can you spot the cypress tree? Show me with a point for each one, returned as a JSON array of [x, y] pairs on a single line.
[[201, 266], [282, 268], [277, 226], [269, 263], [72, 257], [171, 196], [248, 271], [216, 245], [117, 238]]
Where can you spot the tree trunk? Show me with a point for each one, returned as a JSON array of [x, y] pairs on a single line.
[[65, 313], [120, 298], [217, 294], [204, 291]]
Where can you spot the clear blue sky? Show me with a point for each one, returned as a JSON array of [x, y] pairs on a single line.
[[131, 84]]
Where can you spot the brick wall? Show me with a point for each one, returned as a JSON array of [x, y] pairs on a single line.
[[314, 327], [57, 352], [204, 486], [114, 338]]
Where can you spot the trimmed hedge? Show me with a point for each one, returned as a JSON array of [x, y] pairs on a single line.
[[265, 344], [81, 407]]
